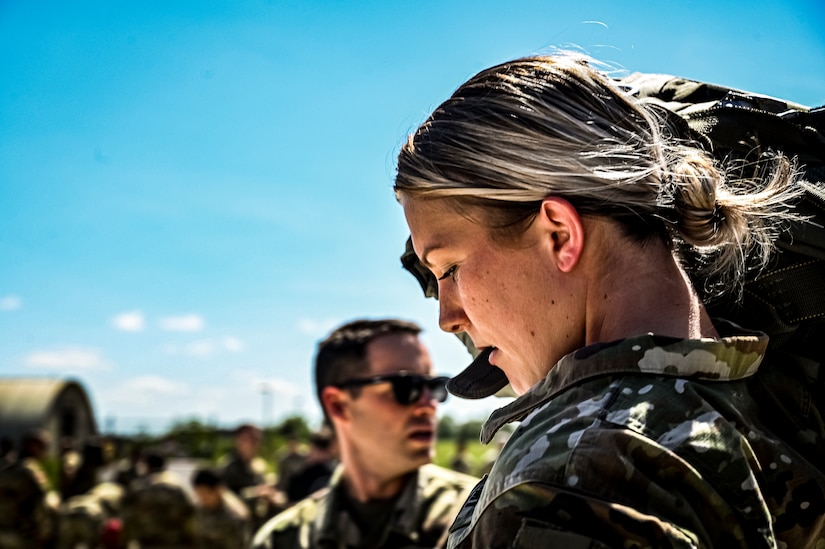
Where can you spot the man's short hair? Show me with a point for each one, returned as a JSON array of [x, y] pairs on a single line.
[[342, 355], [207, 477], [155, 462], [322, 439], [246, 428]]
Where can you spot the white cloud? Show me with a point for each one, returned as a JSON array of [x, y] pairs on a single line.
[[71, 358], [10, 303], [185, 323], [317, 328], [129, 321], [203, 348], [145, 390], [156, 384], [233, 344]]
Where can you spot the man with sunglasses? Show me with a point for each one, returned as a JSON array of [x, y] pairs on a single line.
[[375, 382]]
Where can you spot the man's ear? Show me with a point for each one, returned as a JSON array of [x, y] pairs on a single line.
[[334, 401], [562, 223]]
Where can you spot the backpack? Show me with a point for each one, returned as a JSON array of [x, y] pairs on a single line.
[[786, 300]]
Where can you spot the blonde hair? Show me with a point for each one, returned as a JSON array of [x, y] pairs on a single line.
[[556, 126]]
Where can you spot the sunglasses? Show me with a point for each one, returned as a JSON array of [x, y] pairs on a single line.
[[406, 388]]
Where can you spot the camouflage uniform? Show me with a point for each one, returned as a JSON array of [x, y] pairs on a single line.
[[244, 478], [646, 442], [158, 513], [226, 527], [420, 518], [26, 521], [83, 517], [238, 474]]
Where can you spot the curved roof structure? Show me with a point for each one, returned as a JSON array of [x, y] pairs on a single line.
[[33, 403]]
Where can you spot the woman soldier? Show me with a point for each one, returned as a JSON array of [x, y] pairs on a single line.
[[560, 218]]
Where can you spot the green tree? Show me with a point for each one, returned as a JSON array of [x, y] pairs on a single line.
[[447, 428]]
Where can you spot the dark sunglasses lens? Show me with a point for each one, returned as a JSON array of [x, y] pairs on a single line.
[[408, 389], [438, 387]]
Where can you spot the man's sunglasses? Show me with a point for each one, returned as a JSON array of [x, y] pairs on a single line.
[[406, 388]]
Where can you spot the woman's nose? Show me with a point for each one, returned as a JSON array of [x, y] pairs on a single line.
[[451, 317]]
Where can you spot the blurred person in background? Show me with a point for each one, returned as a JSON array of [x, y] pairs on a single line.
[[290, 459], [87, 474], [131, 467], [374, 380], [222, 520], [87, 518], [318, 467], [244, 468], [70, 460], [157, 510], [28, 504], [460, 461], [244, 472], [7, 454]]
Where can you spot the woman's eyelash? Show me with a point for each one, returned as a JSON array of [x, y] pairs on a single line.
[[450, 273]]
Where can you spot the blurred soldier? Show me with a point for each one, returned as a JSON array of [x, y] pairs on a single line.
[[84, 518], [27, 504], [221, 519], [375, 383], [290, 459], [318, 466], [70, 460], [460, 461], [244, 468], [7, 455], [244, 473], [86, 475], [131, 468], [157, 511]]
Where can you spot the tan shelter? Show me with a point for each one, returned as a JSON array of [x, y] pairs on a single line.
[[61, 407]]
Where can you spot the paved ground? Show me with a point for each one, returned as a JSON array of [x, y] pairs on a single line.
[[182, 468]]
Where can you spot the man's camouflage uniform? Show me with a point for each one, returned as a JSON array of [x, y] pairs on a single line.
[[421, 516], [83, 517], [243, 478], [158, 513], [646, 442], [226, 527], [26, 520]]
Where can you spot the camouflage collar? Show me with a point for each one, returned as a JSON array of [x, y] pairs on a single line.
[[333, 523], [736, 354]]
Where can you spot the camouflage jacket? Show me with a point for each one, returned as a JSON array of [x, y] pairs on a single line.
[[158, 512], [238, 474], [421, 517], [646, 442], [26, 521], [226, 527], [83, 517]]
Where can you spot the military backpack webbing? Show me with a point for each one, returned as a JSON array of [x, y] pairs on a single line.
[[786, 299]]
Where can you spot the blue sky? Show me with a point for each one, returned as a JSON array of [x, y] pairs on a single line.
[[193, 193]]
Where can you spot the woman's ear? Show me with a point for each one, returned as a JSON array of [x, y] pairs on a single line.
[[564, 226]]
